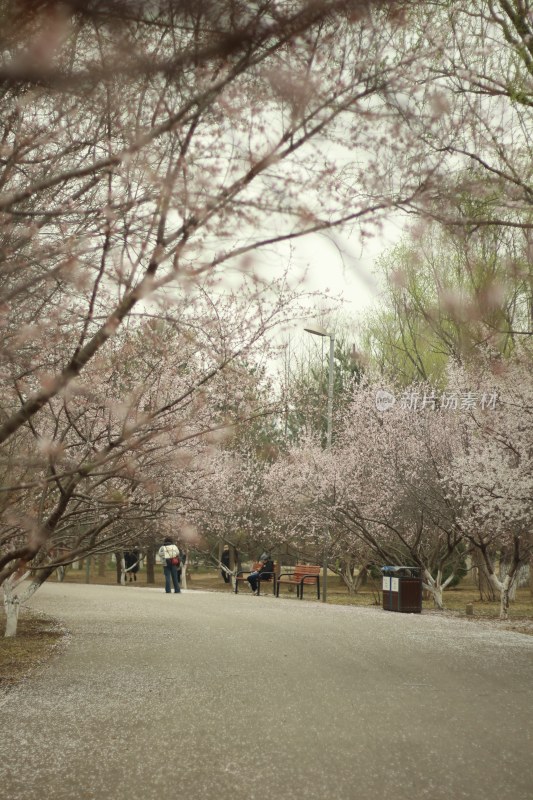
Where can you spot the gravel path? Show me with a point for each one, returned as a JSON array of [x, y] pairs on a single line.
[[211, 696]]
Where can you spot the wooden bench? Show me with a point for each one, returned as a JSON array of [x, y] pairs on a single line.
[[302, 574], [266, 577]]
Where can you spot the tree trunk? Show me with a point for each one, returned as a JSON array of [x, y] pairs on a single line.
[[438, 599], [436, 587], [118, 565], [234, 559], [348, 575], [504, 567], [505, 600], [12, 607], [531, 563], [183, 583], [504, 588], [101, 565], [150, 565], [353, 580], [234, 563], [481, 577], [12, 602]]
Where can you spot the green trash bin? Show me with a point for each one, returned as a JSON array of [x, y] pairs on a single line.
[[402, 589]]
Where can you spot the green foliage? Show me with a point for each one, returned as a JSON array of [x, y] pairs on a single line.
[[449, 294], [306, 395], [460, 571]]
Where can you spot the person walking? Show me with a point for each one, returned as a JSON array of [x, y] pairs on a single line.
[[225, 561], [170, 557]]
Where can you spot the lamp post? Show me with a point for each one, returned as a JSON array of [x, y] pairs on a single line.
[[329, 422]]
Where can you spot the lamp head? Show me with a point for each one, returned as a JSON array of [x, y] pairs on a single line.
[[317, 331]]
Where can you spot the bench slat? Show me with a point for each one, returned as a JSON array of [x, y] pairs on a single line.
[[303, 574]]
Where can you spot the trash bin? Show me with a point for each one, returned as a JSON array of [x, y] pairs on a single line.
[[402, 589]]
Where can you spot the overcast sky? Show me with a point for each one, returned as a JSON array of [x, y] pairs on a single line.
[[344, 265]]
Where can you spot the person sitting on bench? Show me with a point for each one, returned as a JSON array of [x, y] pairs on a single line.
[[267, 566]]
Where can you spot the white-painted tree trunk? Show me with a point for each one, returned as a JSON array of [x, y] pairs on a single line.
[[13, 602], [521, 578], [12, 607], [436, 587], [349, 576], [504, 588]]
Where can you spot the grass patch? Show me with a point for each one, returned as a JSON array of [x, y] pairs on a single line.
[[454, 600], [37, 638], [196, 579]]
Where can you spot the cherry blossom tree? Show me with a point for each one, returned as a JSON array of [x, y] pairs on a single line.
[[112, 191], [377, 493], [300, 491], [142, 153], [472, 116], [491, 473], [108, 457], [146, 155]]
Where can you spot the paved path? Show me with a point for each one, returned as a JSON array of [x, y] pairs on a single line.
[[155, 698]]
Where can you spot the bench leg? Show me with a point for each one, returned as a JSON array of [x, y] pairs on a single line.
[[300, 589]]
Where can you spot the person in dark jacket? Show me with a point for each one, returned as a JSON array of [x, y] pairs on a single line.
[[224, 559], [131, 562], [266, 569]]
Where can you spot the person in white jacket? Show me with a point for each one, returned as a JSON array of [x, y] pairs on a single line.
[[168, 553]]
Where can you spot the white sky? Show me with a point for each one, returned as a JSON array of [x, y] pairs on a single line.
[[340, 264], [343, 266], [336, 263]]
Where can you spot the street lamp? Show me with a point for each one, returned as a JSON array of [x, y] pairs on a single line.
[[331, 336]]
